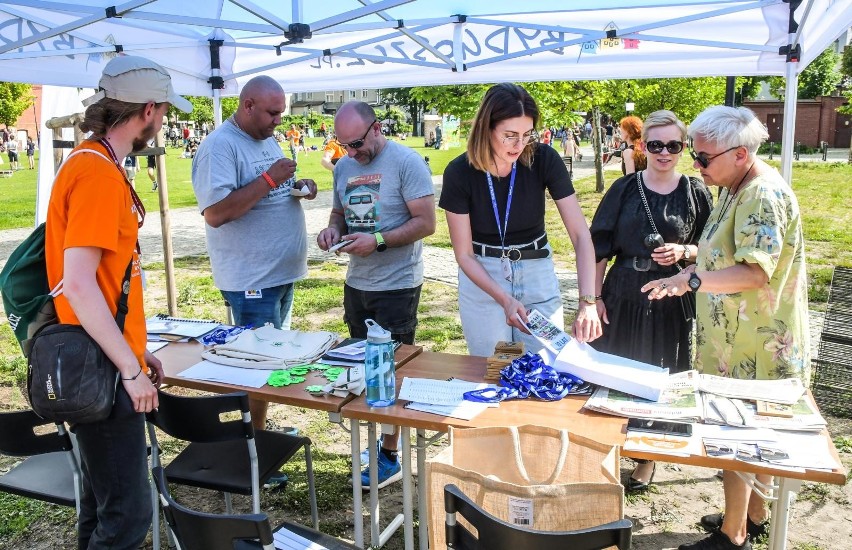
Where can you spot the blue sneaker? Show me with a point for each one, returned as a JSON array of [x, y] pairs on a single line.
[[365, 454], [388, 473]]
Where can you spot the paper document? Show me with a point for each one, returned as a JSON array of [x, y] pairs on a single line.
[[175, 326], [787, 391], [155, 346], [215, 372], [464, 411], [285, 539], [436, 392], [663, 443]]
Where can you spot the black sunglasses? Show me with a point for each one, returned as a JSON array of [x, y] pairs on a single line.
[[358, 143], [656, 147], [704, 160]]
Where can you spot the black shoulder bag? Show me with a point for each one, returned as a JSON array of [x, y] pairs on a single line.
[[70, 379]]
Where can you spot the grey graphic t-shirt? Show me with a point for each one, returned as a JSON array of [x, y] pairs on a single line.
[[373, 198]]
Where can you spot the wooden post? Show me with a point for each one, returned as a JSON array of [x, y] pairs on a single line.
[[166, 224]]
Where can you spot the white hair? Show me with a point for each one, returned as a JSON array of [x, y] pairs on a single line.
[[729, 127]]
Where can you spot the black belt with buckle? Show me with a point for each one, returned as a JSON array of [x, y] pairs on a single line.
[[643, 264], [531, 251]]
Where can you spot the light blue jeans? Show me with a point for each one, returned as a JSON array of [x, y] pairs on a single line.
[[534, 284]]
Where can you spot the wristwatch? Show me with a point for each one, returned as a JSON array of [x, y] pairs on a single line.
[[589, 298], [686, 253], [694, 282], [381, 246]]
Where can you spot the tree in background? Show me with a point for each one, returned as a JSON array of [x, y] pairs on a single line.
[[202, 109], [14, 100], [821, 77]]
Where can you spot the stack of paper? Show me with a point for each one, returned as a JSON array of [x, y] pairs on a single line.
[[350, 353], [680, 400], [284, 539], [781, 449], [739, 412], [443, 397]]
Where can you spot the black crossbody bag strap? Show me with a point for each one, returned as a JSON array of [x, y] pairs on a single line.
[[122, 309]]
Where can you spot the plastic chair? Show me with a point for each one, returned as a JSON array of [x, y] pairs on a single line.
[[201, 531], [224, 455], [496, 534], [50, 472]]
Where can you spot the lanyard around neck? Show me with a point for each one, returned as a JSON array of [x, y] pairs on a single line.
[[137, 202], [502, 229]]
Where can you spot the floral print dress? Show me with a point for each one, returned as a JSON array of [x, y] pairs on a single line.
[[755, 334]]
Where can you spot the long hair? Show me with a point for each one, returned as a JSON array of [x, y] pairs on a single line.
[[107, 113], [632, 126], [501, 102]]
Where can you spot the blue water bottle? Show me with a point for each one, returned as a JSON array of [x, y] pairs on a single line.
[[379, 364]]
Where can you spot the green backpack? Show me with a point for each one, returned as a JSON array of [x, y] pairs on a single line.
[[27, 297]]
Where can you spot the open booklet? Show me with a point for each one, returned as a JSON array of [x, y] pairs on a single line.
[[680, 400]]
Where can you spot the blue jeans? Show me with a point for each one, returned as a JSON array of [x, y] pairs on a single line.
[[534, 284], [275, 305], [115, 510]]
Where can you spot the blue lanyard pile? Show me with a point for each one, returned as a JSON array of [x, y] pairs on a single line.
[[223, 335], [527, 376]]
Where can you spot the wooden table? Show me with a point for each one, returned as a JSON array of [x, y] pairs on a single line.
[[566, 413], [177, 357]]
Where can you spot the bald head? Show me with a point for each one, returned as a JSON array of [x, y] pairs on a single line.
[[355, 111], [261, 103], [356, 122], [260, 86]]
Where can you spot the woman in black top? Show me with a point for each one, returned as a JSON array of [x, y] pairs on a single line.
[[494, 196], [644, 250]]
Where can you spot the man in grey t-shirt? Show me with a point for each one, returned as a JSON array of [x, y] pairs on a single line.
[[256, 233], [383, 206]]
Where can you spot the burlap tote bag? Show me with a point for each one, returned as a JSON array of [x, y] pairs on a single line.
[[531, 476]]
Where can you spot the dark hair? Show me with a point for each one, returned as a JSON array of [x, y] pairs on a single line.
[[107, 113], [501, 102]]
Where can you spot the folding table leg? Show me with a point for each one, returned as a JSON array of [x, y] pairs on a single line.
[[357, 512], [422, 489], [787, 489], [407, 505]]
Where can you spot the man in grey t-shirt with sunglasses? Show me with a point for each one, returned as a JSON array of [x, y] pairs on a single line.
[[383, 207]]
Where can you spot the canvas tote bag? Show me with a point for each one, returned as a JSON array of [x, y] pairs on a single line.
[[531, 476]]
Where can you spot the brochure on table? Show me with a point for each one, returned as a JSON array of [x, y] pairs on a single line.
[[680, 400], [443, 397]]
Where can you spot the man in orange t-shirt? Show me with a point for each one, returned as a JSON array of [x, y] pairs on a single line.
[[92, 228], [332, 153], [293, 136]]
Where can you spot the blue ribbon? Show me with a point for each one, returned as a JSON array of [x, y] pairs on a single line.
[[223, 335], [525, 377]]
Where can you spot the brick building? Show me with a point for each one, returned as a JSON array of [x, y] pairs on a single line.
[[27, 124], [817, 120]]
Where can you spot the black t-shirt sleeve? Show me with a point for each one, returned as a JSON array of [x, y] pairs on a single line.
[[455, 193], [555, 175], [607, 216], [703, 206]]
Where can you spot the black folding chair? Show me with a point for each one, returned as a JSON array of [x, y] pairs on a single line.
[[50, 472], [224, 455], [496, 534], [201, 531]]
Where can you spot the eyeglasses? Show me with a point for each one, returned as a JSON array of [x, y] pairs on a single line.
[[704, 161], [358, 143], [656, 147], [523, 140]]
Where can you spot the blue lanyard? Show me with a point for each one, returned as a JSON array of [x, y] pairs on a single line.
[[505, 227], [528, 376]]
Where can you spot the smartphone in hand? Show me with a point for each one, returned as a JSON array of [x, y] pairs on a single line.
[[339, 245], [659, 426]]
